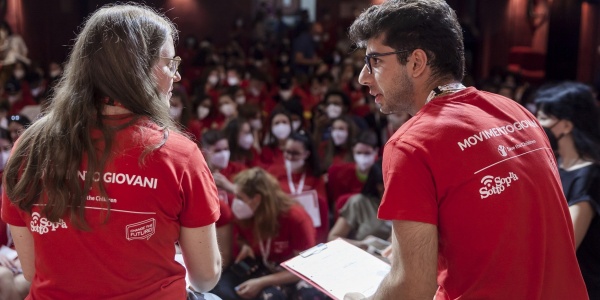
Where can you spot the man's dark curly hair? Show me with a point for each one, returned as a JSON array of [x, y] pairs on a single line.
[[430, 25]]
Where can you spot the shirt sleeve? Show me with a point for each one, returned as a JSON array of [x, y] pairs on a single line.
[[226, 214], [199, 192], [587, 188], [409, 185], [11, 213]]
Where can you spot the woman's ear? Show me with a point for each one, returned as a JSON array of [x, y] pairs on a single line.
[[568, 126]]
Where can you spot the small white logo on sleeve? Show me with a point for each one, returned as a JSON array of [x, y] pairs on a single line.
[[140, 230], [43, 225], [496, 185]]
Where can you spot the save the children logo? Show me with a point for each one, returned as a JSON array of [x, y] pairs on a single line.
[[496, 185], [140, 230], [42, 225], [502, 150]]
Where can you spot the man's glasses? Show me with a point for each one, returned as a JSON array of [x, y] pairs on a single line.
[[174, 64], [368, 58]]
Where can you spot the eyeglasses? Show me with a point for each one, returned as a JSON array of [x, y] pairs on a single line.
[[174, 64], [368, 58]]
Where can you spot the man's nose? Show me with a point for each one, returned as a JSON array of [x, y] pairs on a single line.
[[364, 77]]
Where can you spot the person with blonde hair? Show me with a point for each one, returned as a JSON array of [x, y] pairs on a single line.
[[99, 190], [272, 228]]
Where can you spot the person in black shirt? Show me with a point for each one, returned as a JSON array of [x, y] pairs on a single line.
[[571, 117]]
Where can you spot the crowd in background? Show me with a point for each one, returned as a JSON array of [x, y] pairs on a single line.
[[281, 97]]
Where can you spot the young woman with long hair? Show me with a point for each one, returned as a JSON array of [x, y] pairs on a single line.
[[106, 168], [272, 228]]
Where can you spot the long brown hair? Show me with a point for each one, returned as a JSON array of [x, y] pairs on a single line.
[[113, 56], [273, 200]]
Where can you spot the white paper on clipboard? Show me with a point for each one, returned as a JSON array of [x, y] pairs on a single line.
[[338, 267], [310, 201]]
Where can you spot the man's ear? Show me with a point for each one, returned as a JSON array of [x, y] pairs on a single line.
[[417, 63]]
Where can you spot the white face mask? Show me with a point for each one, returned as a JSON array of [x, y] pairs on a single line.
[[296, 125], [55, 73], [281, 131], [333, 111], [19, 74], [241, 210], [227, 109], [240, 100], [364, 161], [220, 159], [246, 141], [294, 165], [285, 94], [213, 79], [256, 124], [202, 112], [339, 136], [232, 80], [175, 111], [37, 91]]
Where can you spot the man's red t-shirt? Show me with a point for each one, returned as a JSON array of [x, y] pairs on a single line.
[[480, 168]]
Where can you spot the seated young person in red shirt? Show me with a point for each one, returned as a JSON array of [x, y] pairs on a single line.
[[280, 123], [215, 147], [272, 229], [241, 142], [299, 175], [348, 179]]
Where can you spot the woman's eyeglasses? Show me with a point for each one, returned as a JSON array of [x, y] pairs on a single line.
[[174, 64]]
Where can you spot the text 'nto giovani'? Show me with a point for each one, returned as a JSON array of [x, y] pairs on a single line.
[[121, 178], [496, 131]]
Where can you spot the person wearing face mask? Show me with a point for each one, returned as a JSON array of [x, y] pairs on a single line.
[[300, 173], [281, 127], [272, 228], [358, 217], [347, 178], [336, 104], [181, 111], [234, 78], [304, 48], [241, 142], [227, 107], [338, 148], [571, 117]]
